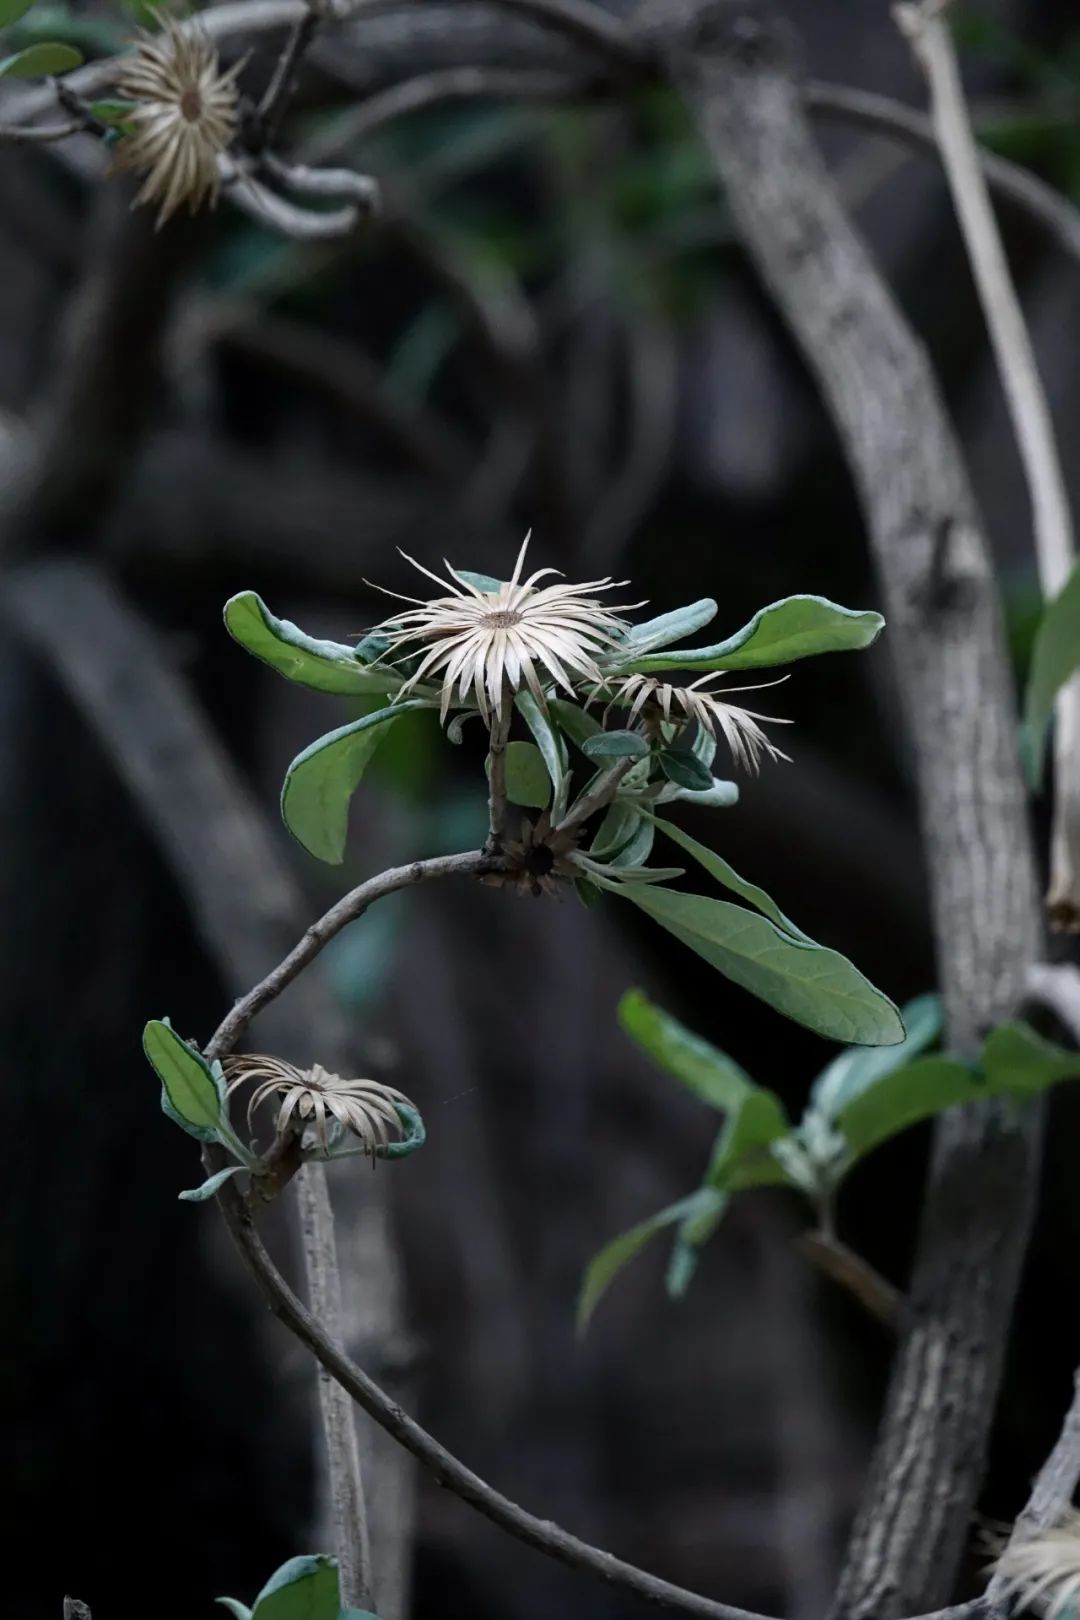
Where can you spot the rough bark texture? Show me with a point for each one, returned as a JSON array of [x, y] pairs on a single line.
[[945, 633]]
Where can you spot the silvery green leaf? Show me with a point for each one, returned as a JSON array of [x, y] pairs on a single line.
[[721, 796], [797, 627], [854, 1072], [199, 1195], [324, 666], [667, 628], [481, 582], [321, 781], [551, 743], [615, 745], [685, 770], [604, 1267], [527, 781], [238, 1610], [302, 1589], [192, 1094]]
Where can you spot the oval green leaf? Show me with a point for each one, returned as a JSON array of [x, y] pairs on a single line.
[[705, 1071], [685, 770], [852, 1073], [324, 666], [604, 1267], [199, 1195], [797, 627], [814, 986], [37, 61], [12, 10], [653, 634], [302, 1589], [550, 742], [615, 745], [527, 780], [192, 1094], [321, 781]]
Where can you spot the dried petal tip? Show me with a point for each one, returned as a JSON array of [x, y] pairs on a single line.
[[487, 643], [183, 120], [710, 711], [365, 1108], [1043, 1569]]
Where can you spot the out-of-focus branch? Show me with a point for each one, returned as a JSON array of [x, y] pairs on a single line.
[[1011, 181], [652, 382], [239, 891], [1050, 1499], [437, 90], [338, 370], [854, 1274], [28, 134], [1057, 986], [945, 633], [1033, 426]]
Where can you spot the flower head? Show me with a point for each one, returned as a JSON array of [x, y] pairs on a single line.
[[711, 711], [538, 860], [1044, 1565], [492, 642], [184, 117], [366, 1108]]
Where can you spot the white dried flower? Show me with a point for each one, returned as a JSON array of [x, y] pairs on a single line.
[[184, 117], [711, 711], [366, 1108], [494, 642], [1043, 1570]]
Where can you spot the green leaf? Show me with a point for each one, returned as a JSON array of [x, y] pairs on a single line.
[[710, 1074], [661, 632], [482, 582], [604, 1267], [321, 781], [685, 770], [855, 1072], [1054, 660], [797, 627], [12, 10], [718, 868], [577, 725], [739, 1157], [815, 986], [238, 1610], [720, 795], [38, 60], [527, 780], [637, 848], [620, 824], [903, 1098], [615, 745], [199, 1195], [302, 1589], [192, 1094], [550, 742], [324, 666], [1016, 1059], [117, 112], [690, 1239]]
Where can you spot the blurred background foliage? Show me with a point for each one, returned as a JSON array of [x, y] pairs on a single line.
[[549, 327]]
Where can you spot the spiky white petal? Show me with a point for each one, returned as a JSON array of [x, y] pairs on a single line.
[[366, 1108], [740, 728], [184, 117], [1043, 1569], [488, 643]]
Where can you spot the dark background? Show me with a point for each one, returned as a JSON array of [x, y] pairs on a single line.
[[316, 407]]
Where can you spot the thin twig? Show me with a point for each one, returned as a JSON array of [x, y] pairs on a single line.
[[853, 1273], [26, 134], [473, 863], [267, 208], [274, 101], [583, 20], [1025, 397], [448, 1471], [497, 803], [1055, 213], [602, 794], [361, 189]]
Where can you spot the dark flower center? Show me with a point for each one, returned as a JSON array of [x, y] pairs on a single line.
[[191, 107], [539, 861], [502, 620]]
